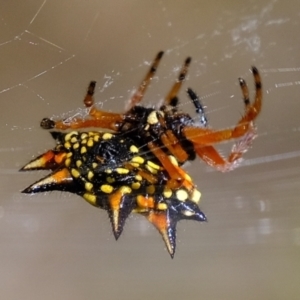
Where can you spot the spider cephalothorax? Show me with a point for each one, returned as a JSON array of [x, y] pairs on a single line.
[[137, 166]]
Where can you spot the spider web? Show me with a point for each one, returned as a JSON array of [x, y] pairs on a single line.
[[50, 50]]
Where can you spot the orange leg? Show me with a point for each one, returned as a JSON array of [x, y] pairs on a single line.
[[201, 137], [204, 138], [171, 98], [99, 118], [178, 177], [212, 157], [139, 94]]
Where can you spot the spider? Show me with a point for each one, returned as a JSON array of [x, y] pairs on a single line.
[[167, 130], [111, 173], [137, 166]]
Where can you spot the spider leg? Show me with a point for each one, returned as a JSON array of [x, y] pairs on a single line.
[[98, 118], [89, 98], [213, 158], [178, 177], [171, 142], [199, 108], [205, 137], [140, 92], [171, 98]]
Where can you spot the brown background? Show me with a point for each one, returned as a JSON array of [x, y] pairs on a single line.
[[56, 246]]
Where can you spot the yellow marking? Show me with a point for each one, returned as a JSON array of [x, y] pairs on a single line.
[[135, 165], [187, 177], [173, 160], [107, 136], [106, 188], [75, 173], [153, 165], [90, 175], [133, 149], [146, 127], [152, 118], [70, 134], [69, 154], [151, 170], [167, 192], [122, 171], [138, 159], [76, 146], [83, 135], [73, 139], [88, 186], [161, 113], [96, 138], [125, 190], [91, 133], [181, 195], [94, 165], [90, 143], [78, 163], [196, 195], [90, 198], [67, 145], [138, 177], [150, 189], [67, 162], [110, 179], [188, 213], [135, 185], [162, 206], [108, 171], [84, 141], [83, 150]]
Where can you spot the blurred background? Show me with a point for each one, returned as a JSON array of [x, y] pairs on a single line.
[[55, 245]]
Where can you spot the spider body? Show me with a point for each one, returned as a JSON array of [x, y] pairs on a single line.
[[136, 167], [109, 172]]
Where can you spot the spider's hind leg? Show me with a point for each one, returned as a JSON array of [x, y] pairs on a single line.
[[245, 131]]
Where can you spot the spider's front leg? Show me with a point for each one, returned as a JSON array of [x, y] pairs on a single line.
[[97, 118], [203, 139]]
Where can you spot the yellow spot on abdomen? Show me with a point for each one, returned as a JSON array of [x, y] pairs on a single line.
[[181, 195], [75, 173], [88, 186], [106, 188], [90, 175], [90, 143], [133, 149], [122, 171], [107, 136], [167, 192], [138, 159], [135, 185], [90, 198], [150, 189], [196, 195]]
